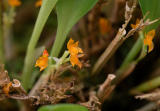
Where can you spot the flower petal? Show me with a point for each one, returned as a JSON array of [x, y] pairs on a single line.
[[75, 61], [45, 53], [42, 61], [151, 34], [150, 47], [134, 26]]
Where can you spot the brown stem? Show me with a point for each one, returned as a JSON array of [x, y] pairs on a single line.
[[117, 41], [106, 88]]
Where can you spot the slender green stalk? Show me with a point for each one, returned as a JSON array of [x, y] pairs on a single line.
[[130, 62], [62, 59], [43, 15], [149, 85], [1, 36], [132, 54], [8, 20]]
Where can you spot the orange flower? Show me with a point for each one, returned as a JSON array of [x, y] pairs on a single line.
[[148, 40], [134, 26], [42, 62], [104, 26], [38, 3], [7, 87], [14, 3], [74, 50]]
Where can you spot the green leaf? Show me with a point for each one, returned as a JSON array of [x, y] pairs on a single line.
[[68, 13], [152, 7], [46, 8], [63, 107]]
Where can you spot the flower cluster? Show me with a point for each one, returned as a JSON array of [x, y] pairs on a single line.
[[73, 50]]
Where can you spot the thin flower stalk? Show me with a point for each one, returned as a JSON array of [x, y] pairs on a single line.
[[8, 20], [130, 59], [1, 37], [148, 85]]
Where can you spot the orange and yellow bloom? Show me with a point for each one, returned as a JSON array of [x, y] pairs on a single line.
[[148, 40], [42, 62], [38, 3], [14, 3], [134, 26], [74, 50]]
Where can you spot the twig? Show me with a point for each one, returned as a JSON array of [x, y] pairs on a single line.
[[17, 85], [153, 96], [148, 107], [128, 63], [118, 40], [93, 104], [106, 88]]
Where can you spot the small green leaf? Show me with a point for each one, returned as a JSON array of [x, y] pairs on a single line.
[[63, 107], [68, 13], [152, 7]]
